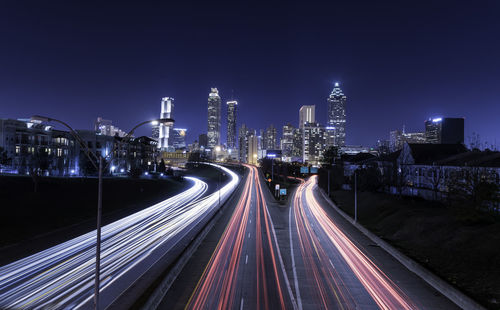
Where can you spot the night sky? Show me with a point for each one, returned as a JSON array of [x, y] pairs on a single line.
[[397, 62]]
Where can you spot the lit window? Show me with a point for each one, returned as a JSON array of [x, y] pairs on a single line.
[[18, 149]]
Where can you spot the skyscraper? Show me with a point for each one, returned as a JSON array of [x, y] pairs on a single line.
[[269, 139], [242, 143], [307, 113], [203, 140], [297, 144], [214, 115], [314, 137], [167, 111], [179, 138], [253, 148], [105, 127], [231, 124], [287, 141], [444, 130], [336, 118]]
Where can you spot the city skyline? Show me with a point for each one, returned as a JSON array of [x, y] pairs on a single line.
[[317, 155], [400, 74]]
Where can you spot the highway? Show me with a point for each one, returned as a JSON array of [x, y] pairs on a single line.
[[246, 270], [63, 276], [336, 273], [313, 261]]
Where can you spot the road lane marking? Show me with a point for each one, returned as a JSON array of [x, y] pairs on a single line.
[[241, 304], [246, 259], [285, 275], [295, 280], [248, 235]]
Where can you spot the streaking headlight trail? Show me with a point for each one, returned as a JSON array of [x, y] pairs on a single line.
[[63, 276], [328, 253]]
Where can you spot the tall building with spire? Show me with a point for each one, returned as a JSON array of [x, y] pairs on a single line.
[[336, 118], [214, 118], [231, 123], [165, 130]]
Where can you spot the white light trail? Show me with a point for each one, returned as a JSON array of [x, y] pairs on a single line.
[[62, 276]]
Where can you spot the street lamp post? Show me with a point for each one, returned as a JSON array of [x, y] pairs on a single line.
[[97, 162], [272, 168], [355, 198], [328, 182]]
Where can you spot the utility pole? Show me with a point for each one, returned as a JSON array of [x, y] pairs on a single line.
[[220, 176], [272, 169], [98, 244], [355, 198], [328, 182], [97, 163]]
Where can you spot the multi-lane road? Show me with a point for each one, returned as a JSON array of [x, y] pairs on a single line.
[[63, 276], [246, 269], [268, 256], [336, 273], [313, 261]]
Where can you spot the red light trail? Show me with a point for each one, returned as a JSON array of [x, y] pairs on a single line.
[[326, 284], [227, 274]]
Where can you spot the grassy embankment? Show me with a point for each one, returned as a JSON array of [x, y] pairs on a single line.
[[62, 202]]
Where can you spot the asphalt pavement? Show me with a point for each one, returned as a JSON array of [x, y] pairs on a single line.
[[303, 255]]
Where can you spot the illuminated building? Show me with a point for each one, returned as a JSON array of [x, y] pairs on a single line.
[[179, 138], [297, 145], [314, 143], [444, 130], [307, 114], [287, 142], [397, 139], [269, 139], [336, 117], [167, 111], [214, 118], [155, 132], [203, 140], [252, 148], [231, 123], [105, 127], [433, 130]]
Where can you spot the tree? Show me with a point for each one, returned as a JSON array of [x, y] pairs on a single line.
[[161, 166], [368, 179], [471, 186], [38, 163], [197, 156], [436, 180], [329, 156], [86, 166], [475, 141], [400, 181], [4, 158]]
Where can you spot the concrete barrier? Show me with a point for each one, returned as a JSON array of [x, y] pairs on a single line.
[[453, 294], [161, 290]]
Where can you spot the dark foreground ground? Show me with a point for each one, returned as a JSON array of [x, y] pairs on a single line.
[[461, 247], [64, 208]]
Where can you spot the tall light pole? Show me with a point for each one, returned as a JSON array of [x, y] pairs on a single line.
[[355, 198], [97, 162], [272, 156], [328, 182]]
